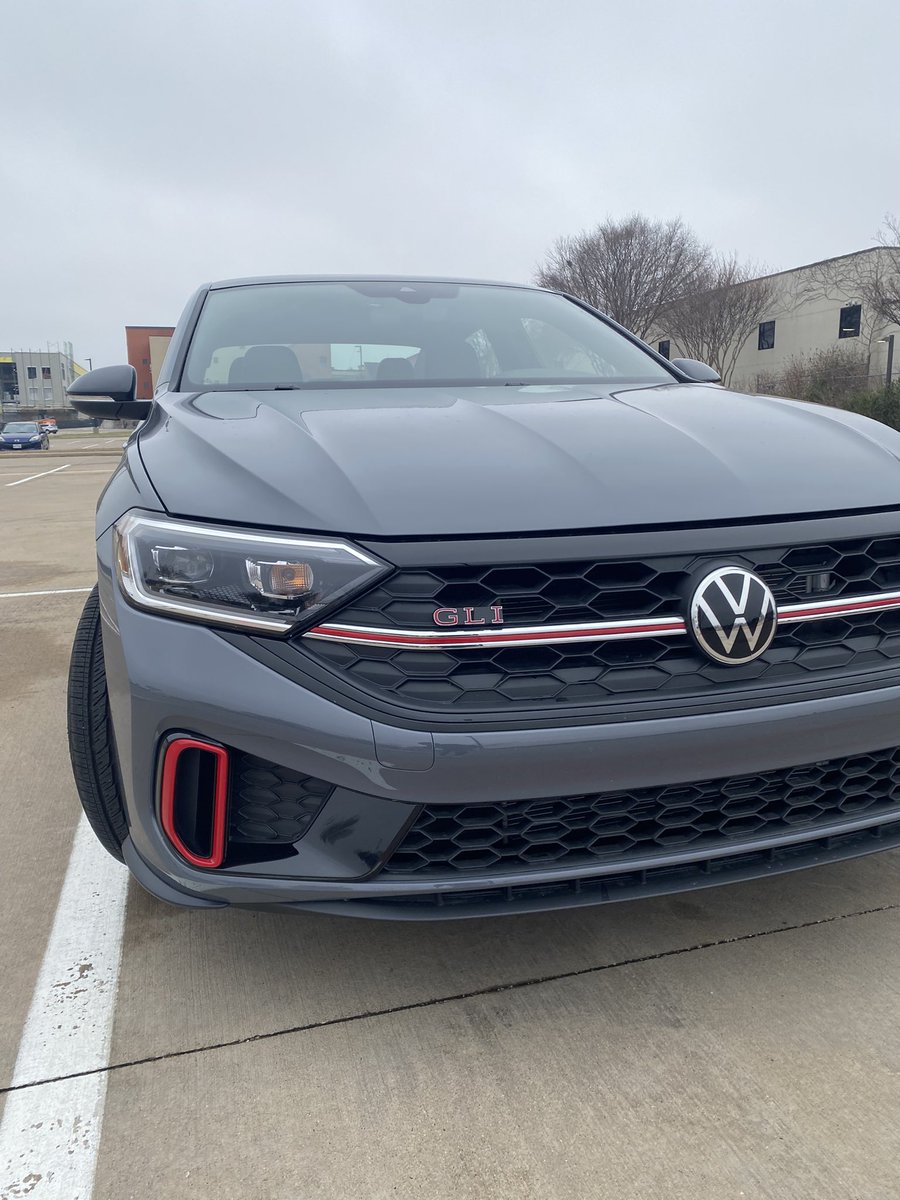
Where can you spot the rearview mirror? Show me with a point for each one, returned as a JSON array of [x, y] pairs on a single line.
[[108, 392], [698, 371]]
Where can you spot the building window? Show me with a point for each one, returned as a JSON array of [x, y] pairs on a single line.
[[848, 326], [766, 340], [9, 383], [32, 395], [45, 373], [32, 372], [665, 348], [48, 395]]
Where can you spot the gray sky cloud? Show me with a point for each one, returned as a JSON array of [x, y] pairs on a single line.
[[149, 147]]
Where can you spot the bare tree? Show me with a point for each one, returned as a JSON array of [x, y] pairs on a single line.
[[629, 269], [884, 280], [870, 278], [712, 324]]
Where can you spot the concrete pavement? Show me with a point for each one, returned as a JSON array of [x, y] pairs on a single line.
[[751, 1069], [737, 1042]]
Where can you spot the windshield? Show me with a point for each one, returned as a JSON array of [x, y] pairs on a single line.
[[20, 427], [370, 334]]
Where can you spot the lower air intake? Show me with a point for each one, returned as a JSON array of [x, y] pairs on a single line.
[[712, 815], [194, 799]]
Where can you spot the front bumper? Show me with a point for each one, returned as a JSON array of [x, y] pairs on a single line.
[[21, 446], [167, 676]]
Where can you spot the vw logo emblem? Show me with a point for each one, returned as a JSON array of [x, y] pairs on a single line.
[[733, 616]]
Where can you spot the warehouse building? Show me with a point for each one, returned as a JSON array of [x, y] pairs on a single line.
[[815, 307], [37, 379]]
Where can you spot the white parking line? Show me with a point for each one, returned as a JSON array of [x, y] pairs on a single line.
[[50, 1134], [53, 592], [40, 475]]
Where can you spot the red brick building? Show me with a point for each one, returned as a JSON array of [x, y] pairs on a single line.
[[147, 345]]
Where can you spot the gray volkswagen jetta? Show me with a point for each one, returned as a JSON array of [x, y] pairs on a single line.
[[433, 598]]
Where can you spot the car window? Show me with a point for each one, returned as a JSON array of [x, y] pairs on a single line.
[[488, 363], [335, 361], [370, 362], [371, 333], [557, 350], [20, 427]]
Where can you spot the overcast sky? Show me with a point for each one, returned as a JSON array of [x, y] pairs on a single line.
[[148, 147]]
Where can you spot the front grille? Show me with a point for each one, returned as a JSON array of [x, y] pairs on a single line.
[[459, 680], [556, 592], [626, 885], [483, 679], [563, 592], [628, 825]]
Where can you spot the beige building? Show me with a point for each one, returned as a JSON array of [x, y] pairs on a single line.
[[36, 380], [815, 307]]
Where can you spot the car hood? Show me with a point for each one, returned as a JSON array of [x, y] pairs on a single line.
[[436, 462]]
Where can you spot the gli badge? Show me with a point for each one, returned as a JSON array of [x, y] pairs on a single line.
[[485, 615]]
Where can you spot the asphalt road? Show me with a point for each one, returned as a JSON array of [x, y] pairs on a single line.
[[741, 1042]]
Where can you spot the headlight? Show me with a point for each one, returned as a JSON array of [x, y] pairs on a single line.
[[262, 581], [35, 437]]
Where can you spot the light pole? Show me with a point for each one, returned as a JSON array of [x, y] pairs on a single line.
[[889, 369]]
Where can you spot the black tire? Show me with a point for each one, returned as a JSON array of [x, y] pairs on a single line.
[[91, 746]]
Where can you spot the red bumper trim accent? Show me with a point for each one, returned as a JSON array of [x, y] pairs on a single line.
[[173, 752]]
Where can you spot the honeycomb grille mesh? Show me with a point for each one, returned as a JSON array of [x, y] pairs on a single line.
[[655, 881], [270, 803], [626, 825]]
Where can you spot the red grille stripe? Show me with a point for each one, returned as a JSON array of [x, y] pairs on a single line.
[[423, 639], [502, 637], [838, 608]]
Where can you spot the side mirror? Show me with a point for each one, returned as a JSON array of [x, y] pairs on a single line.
[[108, 392], [697, 371]]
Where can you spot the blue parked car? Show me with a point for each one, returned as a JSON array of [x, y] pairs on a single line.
[[23, 435]]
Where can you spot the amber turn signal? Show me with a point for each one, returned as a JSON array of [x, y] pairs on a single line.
[[280, 580]]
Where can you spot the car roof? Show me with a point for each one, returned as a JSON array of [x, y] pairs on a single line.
[[250, 280]]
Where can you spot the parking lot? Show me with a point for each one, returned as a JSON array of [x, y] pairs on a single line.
[[735, 1042]]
